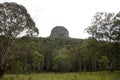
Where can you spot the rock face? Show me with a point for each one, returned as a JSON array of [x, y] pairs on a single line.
[[59, 32]]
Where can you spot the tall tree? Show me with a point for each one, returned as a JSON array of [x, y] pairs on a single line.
[[106, 27], [62, 61], [38, 61], [14, 22], [116, 28], [101, 26]]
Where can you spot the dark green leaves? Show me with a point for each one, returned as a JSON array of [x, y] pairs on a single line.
[[15, 20]]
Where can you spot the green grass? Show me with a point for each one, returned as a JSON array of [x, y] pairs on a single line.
[[66, 76]]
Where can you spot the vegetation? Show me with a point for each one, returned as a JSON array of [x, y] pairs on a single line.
[[22, 53], [38, 61], [64, 55], [62, 61], [66, 76], [14, 21]]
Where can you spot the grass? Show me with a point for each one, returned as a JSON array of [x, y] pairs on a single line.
[[65, 76]]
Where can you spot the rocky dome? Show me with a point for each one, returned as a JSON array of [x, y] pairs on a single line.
[[59, 32]]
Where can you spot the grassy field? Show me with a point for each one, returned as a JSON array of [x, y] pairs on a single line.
[[66, 76]]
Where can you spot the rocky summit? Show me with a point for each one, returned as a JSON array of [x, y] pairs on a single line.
[[59, 32]]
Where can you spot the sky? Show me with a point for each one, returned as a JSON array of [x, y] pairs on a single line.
[[74, 15]]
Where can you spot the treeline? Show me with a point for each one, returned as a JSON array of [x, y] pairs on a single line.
[[35, 54]]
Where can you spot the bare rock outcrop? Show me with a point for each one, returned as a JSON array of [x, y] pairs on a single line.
[[59, 32]]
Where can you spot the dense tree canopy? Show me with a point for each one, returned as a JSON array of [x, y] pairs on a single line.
[[105, 26], [64, 55], [38, 61], [14, 22], [62, 61], [27, 54]]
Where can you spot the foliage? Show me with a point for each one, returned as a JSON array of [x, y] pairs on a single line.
[[14, 22], [38, 61], [105, 27], [65, 55], [103, 62], [36, 54], [62, 62]]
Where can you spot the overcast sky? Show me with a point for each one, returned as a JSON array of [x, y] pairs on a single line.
[[75, 15]]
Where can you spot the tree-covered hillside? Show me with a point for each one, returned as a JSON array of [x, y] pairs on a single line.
[[35, 54], [21, 51]]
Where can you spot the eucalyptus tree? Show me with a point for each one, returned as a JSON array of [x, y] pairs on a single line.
[[106, 27], [15, 22], [116, 28], [62, 62], [38, 61], [101, 26]]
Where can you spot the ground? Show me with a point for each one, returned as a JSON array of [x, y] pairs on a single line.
[[65, 76]]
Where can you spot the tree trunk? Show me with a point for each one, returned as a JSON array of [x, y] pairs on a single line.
[[95, 65], [1, 74], [34, 70], [80, 65], [1, 71], [84, 68]]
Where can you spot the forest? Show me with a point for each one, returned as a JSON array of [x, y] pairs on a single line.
[[22, 51], [36, 54]]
